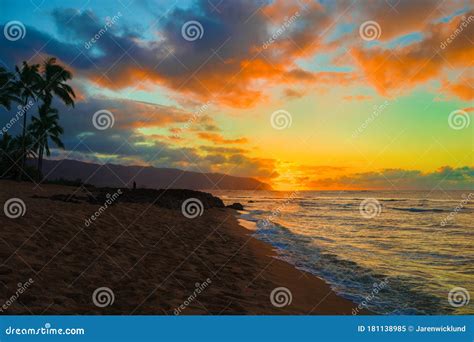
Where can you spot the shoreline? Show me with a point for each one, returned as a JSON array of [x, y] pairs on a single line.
[[153, 259], [309, 292]]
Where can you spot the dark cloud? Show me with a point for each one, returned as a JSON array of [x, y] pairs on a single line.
[[124, 143]]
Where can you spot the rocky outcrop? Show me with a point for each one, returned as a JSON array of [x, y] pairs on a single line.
[[236, 206]]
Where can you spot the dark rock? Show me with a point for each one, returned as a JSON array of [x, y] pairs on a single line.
[[170, 198], [236, 206]]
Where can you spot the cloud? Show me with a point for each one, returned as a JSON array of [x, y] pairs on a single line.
[[228, 65], [462, 88], [293, 93], [396, 70], [231, 65], [219, 139], [402, 17], [445, 178]]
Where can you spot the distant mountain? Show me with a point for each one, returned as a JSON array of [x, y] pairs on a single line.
[[150, 177]]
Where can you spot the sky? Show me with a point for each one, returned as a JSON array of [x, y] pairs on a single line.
[[299, 94]]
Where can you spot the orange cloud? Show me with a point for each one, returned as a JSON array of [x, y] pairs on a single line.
[[396, 70], [464, 89], [219, 139], [240, 73]]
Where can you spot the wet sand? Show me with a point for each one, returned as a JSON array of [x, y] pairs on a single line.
[[153, 259]]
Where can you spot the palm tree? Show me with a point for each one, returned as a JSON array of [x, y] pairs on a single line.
[[11, 154], [54, 78], [8, 91], [27, 83], [44, 128], [6, 151], [31, 84]]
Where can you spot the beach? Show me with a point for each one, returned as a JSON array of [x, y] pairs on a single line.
[[152, 260]]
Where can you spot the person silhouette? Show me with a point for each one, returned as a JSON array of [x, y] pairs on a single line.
[[134, 185]]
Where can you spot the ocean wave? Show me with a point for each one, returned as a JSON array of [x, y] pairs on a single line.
[[347, 278], [328, 237]]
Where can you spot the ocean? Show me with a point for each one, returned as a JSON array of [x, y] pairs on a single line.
[[403, 252]]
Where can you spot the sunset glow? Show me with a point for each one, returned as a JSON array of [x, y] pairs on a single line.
[[363, 96]]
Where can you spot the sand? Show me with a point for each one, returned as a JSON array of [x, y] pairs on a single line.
[[153, 259]]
